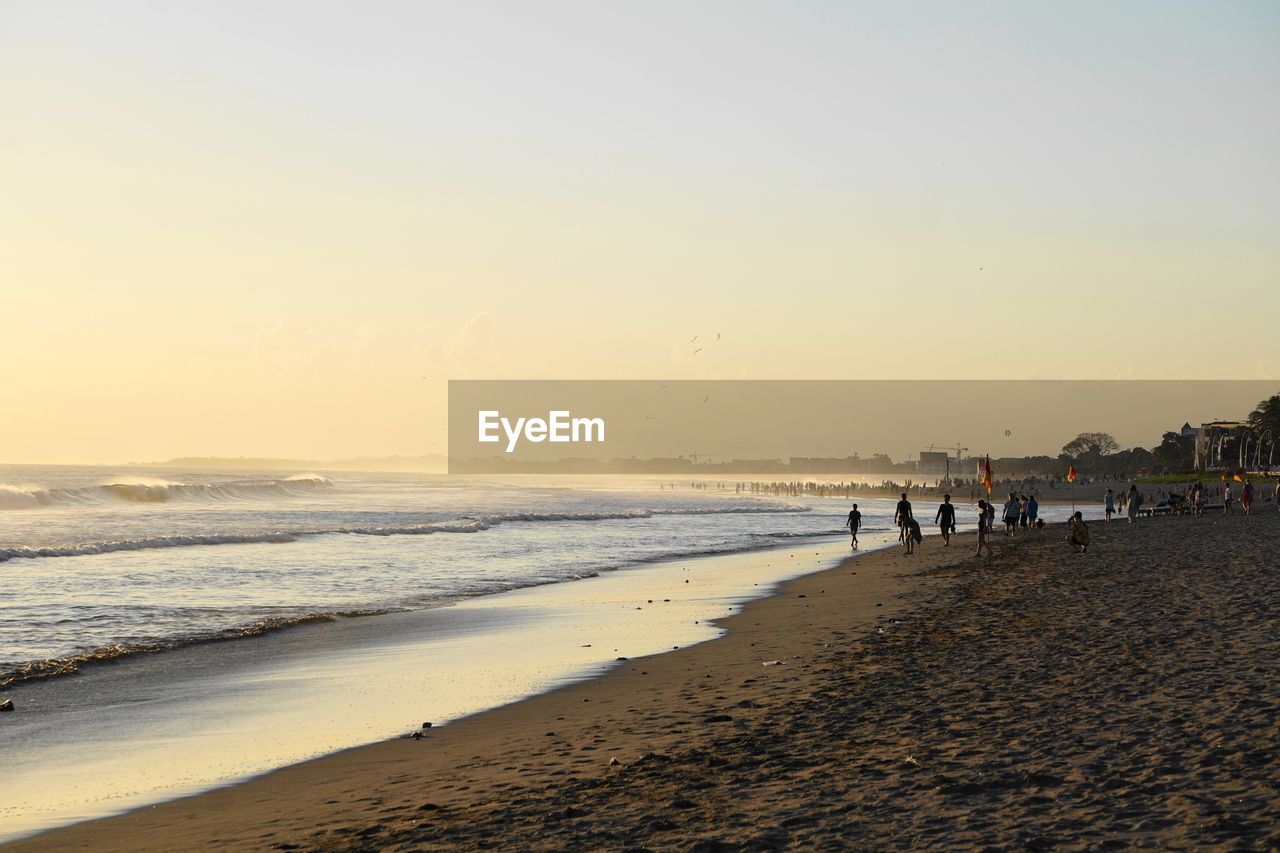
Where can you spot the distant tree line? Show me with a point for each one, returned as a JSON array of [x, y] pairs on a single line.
[[1097, 453]]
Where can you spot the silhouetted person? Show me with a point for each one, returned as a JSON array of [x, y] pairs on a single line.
[[1011, 510], [853, 523], [913, 535], [1079, 537], [984, 528], [1132, 502], [945, 518], [900, 517]]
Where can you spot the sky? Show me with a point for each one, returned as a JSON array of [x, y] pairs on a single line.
[[248, 229], [721, 420]]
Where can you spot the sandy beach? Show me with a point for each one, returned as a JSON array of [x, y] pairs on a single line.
[[1122, 699]]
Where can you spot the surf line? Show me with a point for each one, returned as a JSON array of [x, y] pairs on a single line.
[[559, 425]]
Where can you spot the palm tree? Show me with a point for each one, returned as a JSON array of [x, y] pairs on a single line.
[[1267, 415], [1265, 420]]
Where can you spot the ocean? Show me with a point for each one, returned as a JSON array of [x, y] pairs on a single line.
[[98, 564], [163, 632]]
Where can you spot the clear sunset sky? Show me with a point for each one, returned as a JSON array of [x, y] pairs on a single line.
[[276, 229]]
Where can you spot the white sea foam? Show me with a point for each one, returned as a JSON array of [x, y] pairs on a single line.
[[154, 490], [471, 524]]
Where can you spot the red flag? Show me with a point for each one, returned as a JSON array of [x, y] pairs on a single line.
[[1071, 473], [1237, 478], [986, 475]]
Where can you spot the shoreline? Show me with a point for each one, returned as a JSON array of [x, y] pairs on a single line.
[[959, 713], [332, 771], [187, 714]]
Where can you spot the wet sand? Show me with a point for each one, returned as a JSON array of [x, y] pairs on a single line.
[[1122, 699]]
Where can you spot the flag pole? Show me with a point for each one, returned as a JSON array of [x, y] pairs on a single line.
[[986, 481]]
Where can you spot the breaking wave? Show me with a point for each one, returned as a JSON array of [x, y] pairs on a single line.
[[465, 524], [148, 490], [51, 667]]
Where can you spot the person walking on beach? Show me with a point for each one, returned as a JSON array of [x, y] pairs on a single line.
[[853, 523], [1246, 496], [985, 517], [945, 518], [1226, 500], [1022, 512], [1079, 537], [1033, 511], [901, 516], [1132, 502], [1109, 504], [1011, 515]]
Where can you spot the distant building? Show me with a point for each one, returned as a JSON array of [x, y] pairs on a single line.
[[1217, 443], [824, 464], [1188, 431], [933, 464]]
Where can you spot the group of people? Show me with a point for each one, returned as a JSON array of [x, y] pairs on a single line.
[[1193, 502], [1246, 498], [1020, 512], [1132, 503]]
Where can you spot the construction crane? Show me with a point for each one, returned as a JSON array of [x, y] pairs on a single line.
[[958, 449]]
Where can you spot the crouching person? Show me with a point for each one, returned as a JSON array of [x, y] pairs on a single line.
[[1079, 537]]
